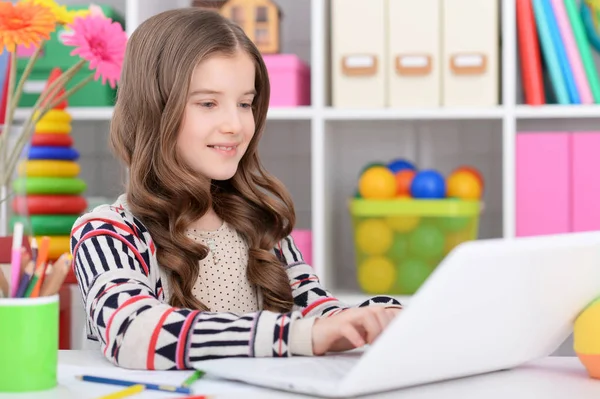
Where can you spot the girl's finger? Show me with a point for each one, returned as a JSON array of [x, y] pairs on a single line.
[[383, 317], [349, 332], [370, 323]]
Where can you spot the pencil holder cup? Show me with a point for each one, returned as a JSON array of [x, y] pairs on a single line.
[[28, 343]]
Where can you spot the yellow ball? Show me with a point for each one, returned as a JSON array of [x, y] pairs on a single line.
[[586, 331], [463, 185], [403, 224], [586, 344], [374, 236], [376, 275], [377, 182]]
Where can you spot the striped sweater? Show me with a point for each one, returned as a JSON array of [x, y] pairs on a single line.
[[125, 295]]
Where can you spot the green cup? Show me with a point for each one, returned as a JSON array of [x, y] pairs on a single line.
[[28, 343]]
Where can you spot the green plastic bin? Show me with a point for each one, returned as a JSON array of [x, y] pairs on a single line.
[[398, 243]]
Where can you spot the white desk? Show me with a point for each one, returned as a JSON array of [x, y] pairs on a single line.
[[551, 378]]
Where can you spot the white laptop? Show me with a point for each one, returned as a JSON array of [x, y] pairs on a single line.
[[490, 305]]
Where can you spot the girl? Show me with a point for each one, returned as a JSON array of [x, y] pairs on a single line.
[[195, 261]]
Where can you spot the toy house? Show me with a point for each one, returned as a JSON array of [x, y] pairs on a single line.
[[260, 19]]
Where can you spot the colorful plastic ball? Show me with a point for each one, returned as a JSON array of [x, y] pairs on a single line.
[[399, 248], [403, 223], [377, 182], [426, 241], [404, 179], [428, 184], [370, 165], [374, 236], [453, 223], [473, 171], [412, 273], [400, 164], [376, 275], [452, 240], [464, 185], [586, 344]]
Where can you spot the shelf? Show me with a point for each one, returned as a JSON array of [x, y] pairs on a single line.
[[413, 113], [105, 113], [557, 111], [290, 113], [355, 298], [77, 113]]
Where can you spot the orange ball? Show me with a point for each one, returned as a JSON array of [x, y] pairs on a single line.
[[377, 182], [403, 180], [472, 170], [463, 185]]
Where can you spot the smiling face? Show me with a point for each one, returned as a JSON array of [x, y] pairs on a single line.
[[218, 122]]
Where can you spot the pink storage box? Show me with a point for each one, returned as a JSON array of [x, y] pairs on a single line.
[[585, 183], [543, 193], [290, 80], [303, 240]]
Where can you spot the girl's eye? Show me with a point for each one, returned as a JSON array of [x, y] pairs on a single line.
[[245, 105], [207, 105]]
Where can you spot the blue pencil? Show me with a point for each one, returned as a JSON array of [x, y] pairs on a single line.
[[125, 383]]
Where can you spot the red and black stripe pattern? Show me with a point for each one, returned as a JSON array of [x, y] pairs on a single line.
[[125, 294]]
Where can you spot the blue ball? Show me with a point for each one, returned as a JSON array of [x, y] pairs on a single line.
[[400, 164], [428, 184]]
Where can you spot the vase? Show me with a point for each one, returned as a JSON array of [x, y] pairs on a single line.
[[7, 192]]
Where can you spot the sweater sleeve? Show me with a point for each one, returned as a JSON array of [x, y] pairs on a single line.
[[126, 313], [310, 297]]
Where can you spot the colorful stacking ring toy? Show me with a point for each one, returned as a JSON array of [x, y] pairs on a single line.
[[49, 204], [52, 140], [52, 127], [58, 246], [47, 168], [56, 115], [47, 225], [49, 185], [60, 153]]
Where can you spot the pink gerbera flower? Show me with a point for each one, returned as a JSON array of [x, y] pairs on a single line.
[[100, 41]]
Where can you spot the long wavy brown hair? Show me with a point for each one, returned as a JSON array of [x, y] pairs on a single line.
[[163, 192]]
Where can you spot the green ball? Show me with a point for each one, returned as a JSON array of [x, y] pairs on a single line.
[[426, 241], [412, 273], [399, 248], [453, 224]]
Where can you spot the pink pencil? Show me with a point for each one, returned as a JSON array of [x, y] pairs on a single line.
[[15, 260]]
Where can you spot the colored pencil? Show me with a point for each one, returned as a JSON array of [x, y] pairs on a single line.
[[25, 279], [33, 290], [192, 378], [132, 390], [34, 250], [154, 387], [15, 260], [54, 281], [4, 286]]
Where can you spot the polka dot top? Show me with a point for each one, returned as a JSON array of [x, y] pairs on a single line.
[[222, 284]]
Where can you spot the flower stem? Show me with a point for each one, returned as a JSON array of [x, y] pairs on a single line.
[[9, 111], [34, 117], [72, 90], [25, 76]]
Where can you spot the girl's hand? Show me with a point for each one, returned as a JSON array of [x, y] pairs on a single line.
[[350, 329]]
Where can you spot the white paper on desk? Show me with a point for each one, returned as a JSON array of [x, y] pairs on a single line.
[[206, 385]]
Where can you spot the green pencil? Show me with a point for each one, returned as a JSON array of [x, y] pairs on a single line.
[[192, 378]]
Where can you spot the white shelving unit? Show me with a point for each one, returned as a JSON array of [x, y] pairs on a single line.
[[339, 142]]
